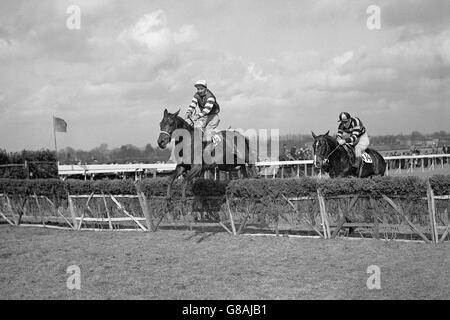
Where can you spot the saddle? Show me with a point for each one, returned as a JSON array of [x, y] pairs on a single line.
[[351, 154], [217, 137]]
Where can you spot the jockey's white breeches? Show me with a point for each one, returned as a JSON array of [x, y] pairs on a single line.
[[207, 124], [362, 145]]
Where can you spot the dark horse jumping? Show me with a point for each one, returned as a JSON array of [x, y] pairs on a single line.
[[240, 161], [337, 160]]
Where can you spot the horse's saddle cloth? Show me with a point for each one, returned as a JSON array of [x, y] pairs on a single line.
[[216, 138], [366, 157], [351, 154]]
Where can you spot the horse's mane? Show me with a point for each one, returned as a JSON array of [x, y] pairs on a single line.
[[183, 121], [330, 139]]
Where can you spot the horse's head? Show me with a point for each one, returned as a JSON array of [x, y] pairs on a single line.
[[167, 126], [321, 148]]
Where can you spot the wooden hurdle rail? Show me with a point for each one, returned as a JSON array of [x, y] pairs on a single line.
[[326, 233], [74, 219]]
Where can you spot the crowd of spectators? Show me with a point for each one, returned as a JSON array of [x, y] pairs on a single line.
[[414, 151], [291, 154]]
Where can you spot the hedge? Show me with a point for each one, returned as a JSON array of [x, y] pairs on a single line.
[[273, 189], [29, 164]]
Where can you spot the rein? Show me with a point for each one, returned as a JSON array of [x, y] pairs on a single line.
[[329, 155]]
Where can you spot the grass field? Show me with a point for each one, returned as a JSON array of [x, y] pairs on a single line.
[[189, 265]]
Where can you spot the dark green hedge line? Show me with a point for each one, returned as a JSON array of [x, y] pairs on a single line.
[[410, 187], [35, 165]]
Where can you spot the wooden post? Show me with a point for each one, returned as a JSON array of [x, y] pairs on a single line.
[[81, 221], [303, 219], [72, 212], [89, 199], [432, 213], [58, 211], [400, 212], [55, 210], [231, 217], [126, 212], [7, 220], [144, 205], [324, 215], [11, 211], [444, 235], [40, 208], [223, 226], [375, 218], [107, 212]]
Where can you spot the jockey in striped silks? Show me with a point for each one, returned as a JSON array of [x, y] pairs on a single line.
[[208, 117], [352, 131]]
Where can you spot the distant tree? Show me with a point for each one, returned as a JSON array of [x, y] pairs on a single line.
[[100, 154], [3, 157], [416, 135]]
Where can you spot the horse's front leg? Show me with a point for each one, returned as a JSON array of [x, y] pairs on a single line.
[[193, 173], [178, 172]]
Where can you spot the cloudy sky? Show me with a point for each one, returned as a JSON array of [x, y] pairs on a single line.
[[292, 65]]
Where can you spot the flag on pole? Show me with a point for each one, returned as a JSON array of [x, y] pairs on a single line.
[[59, 125]]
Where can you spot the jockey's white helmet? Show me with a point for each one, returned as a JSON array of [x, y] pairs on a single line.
[[344, 116], [201, 83]]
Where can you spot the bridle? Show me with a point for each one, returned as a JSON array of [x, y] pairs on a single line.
[[176, 127], [165, 132], [329, 155], [326, 159]]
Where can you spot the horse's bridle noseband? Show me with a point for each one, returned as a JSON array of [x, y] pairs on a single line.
[[176, 127], [165, 132]]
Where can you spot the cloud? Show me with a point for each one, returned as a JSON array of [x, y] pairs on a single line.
[[410, 13], [127, 63], [153, 32], [341, 60]]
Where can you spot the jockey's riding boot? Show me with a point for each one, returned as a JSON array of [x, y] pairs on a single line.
[[357, 163]]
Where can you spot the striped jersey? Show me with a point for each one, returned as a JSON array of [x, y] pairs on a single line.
[[355, 130], [207, 104]]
